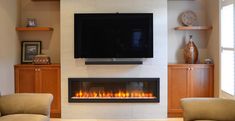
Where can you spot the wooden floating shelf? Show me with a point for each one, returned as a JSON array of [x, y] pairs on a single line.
[[34, 29], [45, 0], [181, 0], [193, 28]]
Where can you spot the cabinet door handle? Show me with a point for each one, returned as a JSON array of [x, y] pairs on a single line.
[[37, 69]]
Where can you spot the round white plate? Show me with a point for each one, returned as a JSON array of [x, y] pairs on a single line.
[[188, 18]]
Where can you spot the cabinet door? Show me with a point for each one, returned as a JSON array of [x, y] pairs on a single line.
[[50, 83], [25, 79], [201, 81], [177, 89]]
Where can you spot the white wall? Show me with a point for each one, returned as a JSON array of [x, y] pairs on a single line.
[[155, 67], [213, 12], [9, 47], [178, 39]]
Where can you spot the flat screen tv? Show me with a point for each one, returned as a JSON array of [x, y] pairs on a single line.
[[119, 35]]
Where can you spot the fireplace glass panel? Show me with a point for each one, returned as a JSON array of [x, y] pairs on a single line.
[[113, 90]]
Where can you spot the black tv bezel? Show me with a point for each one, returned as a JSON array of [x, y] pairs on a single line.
[[77, 44]]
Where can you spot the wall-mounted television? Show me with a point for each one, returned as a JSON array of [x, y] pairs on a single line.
[[118, 35]]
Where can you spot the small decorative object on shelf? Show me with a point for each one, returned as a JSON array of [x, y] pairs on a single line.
[[188, 18], [208, 61], [29, 49], [41, 60], [31, 22], [190, 52]]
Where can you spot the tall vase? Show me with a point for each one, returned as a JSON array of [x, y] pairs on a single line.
[[190, 52]]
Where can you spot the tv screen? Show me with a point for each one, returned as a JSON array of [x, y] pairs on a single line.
[[113, 35]]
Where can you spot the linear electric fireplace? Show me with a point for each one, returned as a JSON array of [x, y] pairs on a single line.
[[113, 90]]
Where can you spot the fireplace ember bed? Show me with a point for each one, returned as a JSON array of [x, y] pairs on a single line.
[[113, 90]]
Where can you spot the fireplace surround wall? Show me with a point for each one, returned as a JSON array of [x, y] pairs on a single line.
[[113, 90], [154, 67]]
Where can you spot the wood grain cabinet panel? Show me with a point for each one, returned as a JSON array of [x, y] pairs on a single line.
[[25, 80], [40, 79], [201, 81], [188, 80], [177, 89], [48, 84]]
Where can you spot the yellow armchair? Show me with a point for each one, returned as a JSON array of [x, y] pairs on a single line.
[[25, 107], [208, 109]]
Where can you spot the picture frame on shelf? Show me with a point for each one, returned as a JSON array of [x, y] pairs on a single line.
[[31, 22], [29, 49]]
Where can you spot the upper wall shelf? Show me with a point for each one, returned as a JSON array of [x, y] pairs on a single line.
[[34, 28], [193, 28]]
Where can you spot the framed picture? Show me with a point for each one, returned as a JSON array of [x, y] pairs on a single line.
[[29, 49]]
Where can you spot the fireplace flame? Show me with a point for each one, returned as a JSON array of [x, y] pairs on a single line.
[[119, 94]]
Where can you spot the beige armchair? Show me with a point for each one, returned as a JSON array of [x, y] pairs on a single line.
[[25, 107], [208, 109]]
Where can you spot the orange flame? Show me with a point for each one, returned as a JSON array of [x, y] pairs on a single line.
[[119, 94]]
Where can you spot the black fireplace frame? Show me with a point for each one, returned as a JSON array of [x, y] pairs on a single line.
[[155, 100]]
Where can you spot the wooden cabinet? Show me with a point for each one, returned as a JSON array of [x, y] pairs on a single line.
[[40, 79], [188, 80], [177, 89], [23, 80]]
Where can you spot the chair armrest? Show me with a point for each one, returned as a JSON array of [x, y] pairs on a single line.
[[208, 109], [26, 103]]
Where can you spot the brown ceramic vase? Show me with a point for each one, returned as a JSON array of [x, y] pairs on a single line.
[[190, 52]]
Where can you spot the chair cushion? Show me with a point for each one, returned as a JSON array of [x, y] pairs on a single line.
[[24, 117]]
